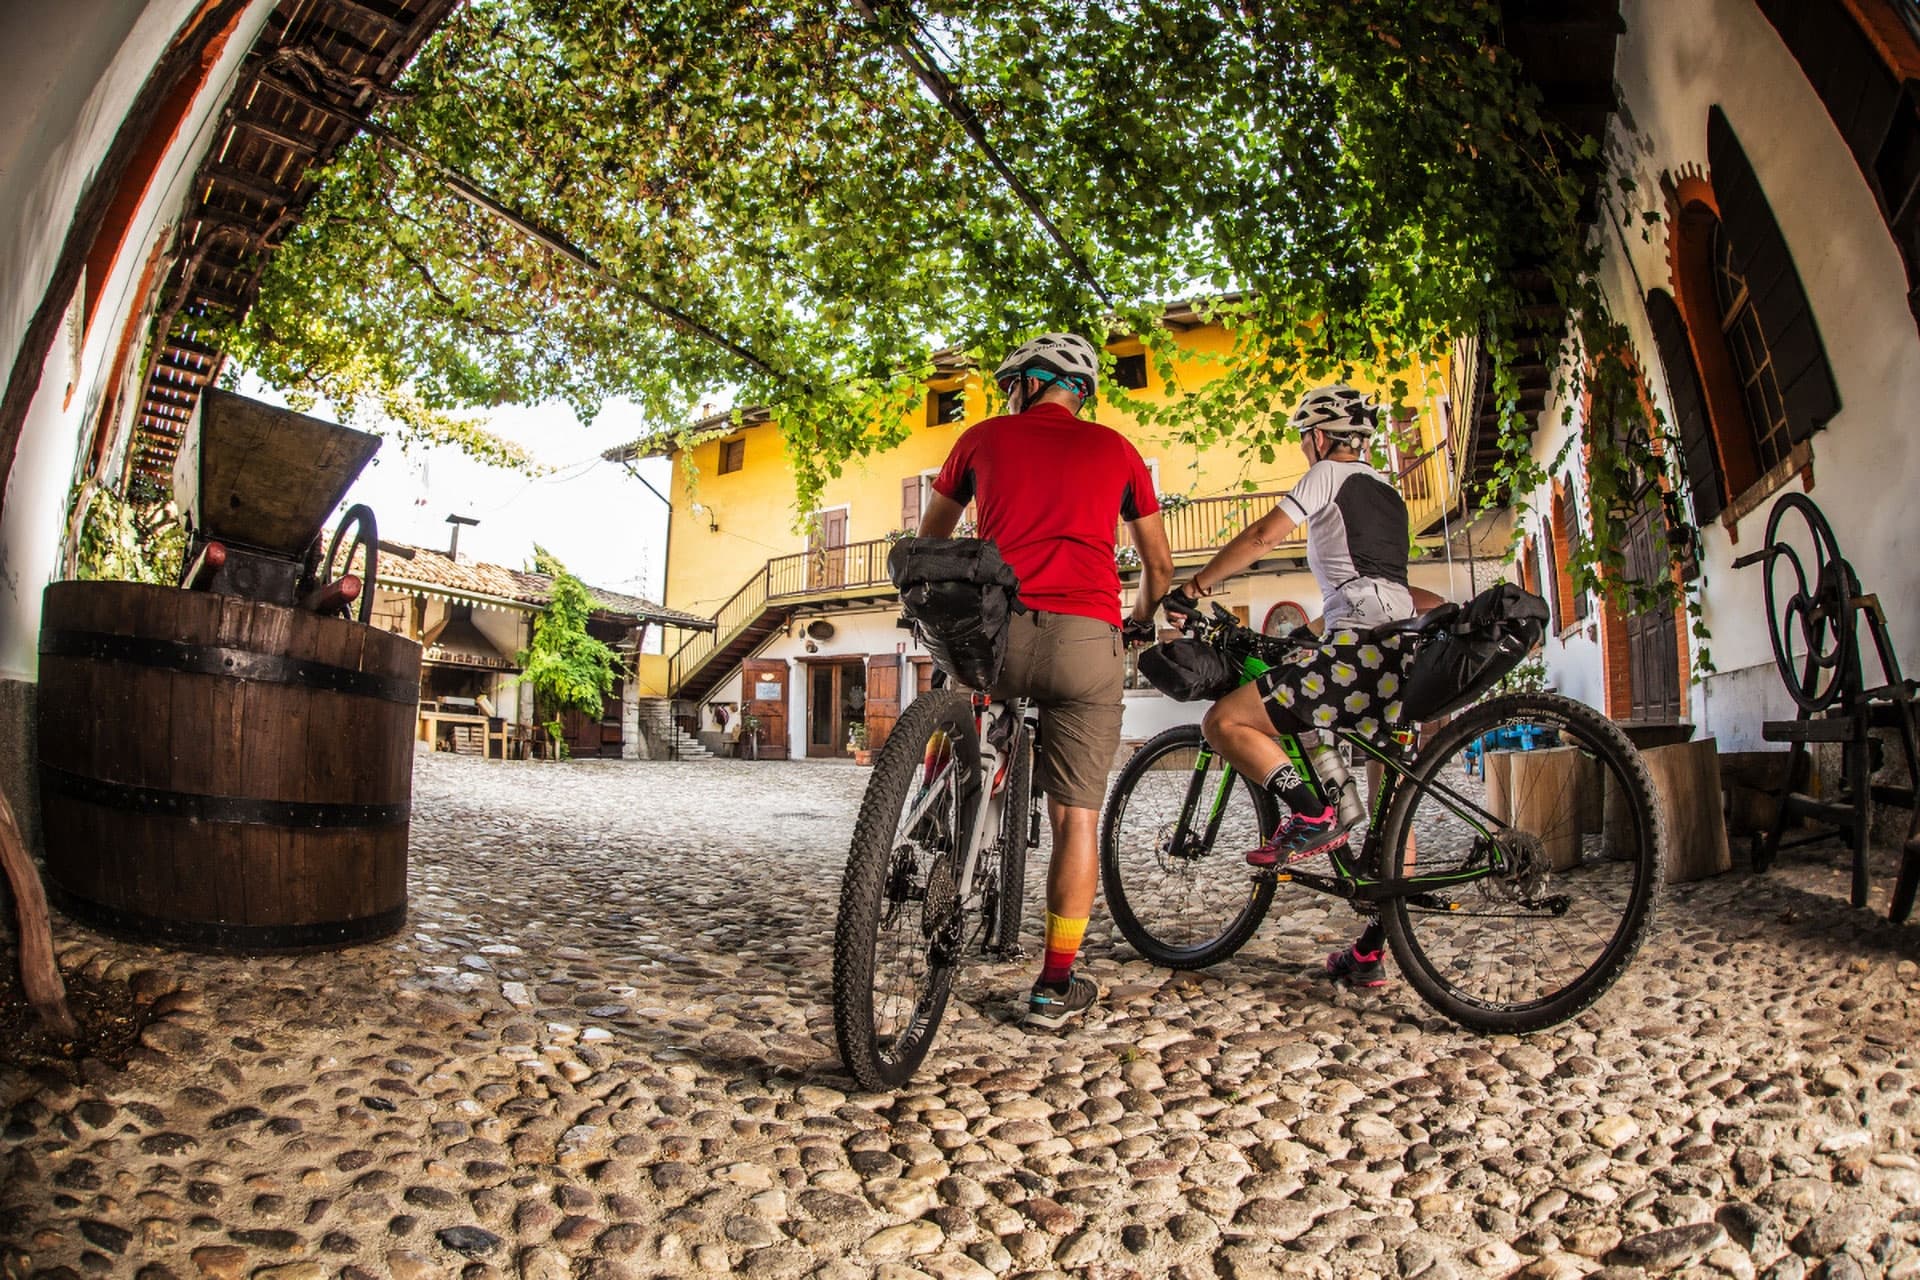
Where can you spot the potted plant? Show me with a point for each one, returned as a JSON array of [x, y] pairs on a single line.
[[750, 733], [857, 743]]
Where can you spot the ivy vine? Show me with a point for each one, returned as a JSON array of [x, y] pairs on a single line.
[[766, 205]]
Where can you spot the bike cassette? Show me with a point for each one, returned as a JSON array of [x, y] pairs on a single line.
[[942, 898]]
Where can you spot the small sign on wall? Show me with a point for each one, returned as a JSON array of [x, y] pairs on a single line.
[[766, 691]]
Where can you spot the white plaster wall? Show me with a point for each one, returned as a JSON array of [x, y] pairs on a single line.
[[1675, 62], [67, 86]]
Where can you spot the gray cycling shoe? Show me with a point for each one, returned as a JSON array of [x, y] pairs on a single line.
[[1051, 1008]]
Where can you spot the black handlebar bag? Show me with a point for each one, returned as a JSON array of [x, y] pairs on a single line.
[[1189, 670], [960, 596], [1489, 637]]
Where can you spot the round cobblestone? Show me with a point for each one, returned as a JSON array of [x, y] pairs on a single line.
[[602, 1046]]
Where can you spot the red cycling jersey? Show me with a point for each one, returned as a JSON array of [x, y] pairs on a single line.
[[1052, 490]]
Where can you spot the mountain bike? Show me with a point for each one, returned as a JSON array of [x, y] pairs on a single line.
[[937, 870], [1511, 902]]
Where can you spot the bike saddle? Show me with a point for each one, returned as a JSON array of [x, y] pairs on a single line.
[[1419, 624]]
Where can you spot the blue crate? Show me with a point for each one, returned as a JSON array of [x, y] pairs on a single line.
[[1512, 737]]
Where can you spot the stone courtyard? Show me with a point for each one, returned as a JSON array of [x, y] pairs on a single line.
[[602, 1047]]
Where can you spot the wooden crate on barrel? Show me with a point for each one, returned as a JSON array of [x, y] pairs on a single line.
[[229, 763]]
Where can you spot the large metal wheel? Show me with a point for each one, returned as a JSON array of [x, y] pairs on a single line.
[[1808, 588]]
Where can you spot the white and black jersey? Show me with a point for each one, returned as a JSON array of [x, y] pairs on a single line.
[[1356, 542]]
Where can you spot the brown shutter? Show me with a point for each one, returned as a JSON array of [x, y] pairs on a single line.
[[1697, 457], [1760, 252], [910, 504]]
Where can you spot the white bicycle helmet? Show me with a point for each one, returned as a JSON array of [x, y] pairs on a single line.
[[1052, 358], [1339, 411]]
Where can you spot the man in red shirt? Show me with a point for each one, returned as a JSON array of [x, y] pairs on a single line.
[[1051, 491]]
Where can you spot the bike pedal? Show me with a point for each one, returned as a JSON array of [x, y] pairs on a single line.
[[1005, 955]]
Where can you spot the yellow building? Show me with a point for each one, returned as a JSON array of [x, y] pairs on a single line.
[[805, 637]]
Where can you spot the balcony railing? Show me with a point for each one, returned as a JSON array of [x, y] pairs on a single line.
[[1206, 524], [858, 566]]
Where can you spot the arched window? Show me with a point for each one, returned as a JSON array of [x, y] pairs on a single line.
[[1762, 371], [1752, 358]]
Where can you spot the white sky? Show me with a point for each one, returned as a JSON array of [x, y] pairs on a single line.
[[602, 523]]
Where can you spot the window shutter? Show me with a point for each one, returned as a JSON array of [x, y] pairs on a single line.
[[1697, 457], [910, 504], [1779, 300]]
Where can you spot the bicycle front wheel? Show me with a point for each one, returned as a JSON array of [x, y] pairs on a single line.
[[1172, 852], [902, 921], [1564, 846]]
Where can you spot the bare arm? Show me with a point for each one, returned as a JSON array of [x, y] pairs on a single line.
[[1156, 564], [1424, 599], [1252, 542], [940, 517]]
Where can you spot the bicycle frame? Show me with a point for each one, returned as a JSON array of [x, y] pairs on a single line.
[[1354, 880], [986, 816]]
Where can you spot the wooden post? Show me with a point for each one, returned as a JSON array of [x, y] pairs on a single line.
[[1686, 786], [1544, 790], [1497, 768], [39, 974]]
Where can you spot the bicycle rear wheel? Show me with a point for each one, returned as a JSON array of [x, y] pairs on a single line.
[[902, 922], [1172, 852], [1575, 863]]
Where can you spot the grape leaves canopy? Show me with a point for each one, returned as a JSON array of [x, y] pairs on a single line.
[[1353, 183]]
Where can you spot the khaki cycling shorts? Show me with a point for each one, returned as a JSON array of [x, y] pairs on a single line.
[[1074, 671]]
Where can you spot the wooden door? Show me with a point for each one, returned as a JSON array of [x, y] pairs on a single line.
[[763, 692], [582, 732], [1653, 642], [827, 563], [836, 697], [883, 698]]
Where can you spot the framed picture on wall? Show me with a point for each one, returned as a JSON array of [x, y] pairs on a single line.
[[1283, 618]]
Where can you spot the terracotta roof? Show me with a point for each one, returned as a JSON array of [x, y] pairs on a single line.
[[434, 570]]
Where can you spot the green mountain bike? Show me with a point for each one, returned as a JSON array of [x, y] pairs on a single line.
[[1515, 859]]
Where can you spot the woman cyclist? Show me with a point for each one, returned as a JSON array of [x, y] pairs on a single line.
[[1356, 525]]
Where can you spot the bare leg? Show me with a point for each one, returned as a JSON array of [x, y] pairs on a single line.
[[1074, 872], [1238, 728]]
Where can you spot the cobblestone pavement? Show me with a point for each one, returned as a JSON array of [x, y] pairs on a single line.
[[602, 1048]]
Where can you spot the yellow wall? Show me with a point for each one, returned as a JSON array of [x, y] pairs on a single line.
[[748, 516]]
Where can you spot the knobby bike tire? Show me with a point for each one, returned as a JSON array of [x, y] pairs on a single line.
[[1014, 819], [1126, 917], [863, 894], [1647, 867]]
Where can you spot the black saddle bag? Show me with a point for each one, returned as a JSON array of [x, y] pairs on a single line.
[[1189, 670], [960, 596], [1489, 637]]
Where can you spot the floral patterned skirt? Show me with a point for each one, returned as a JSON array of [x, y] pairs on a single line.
[[1341, 681]]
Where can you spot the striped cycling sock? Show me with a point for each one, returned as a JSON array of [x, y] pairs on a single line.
[[1063, 943]]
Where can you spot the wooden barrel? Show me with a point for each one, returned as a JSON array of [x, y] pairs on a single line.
[[217, 772]]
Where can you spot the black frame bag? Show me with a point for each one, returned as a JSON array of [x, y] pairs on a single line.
[[1486, 639], [960, 596], [1189, 670]]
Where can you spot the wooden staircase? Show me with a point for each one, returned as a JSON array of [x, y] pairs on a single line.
[[821, 579]]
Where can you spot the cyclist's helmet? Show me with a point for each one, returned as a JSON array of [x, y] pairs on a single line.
[[1053, 358], [1338, 411]]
